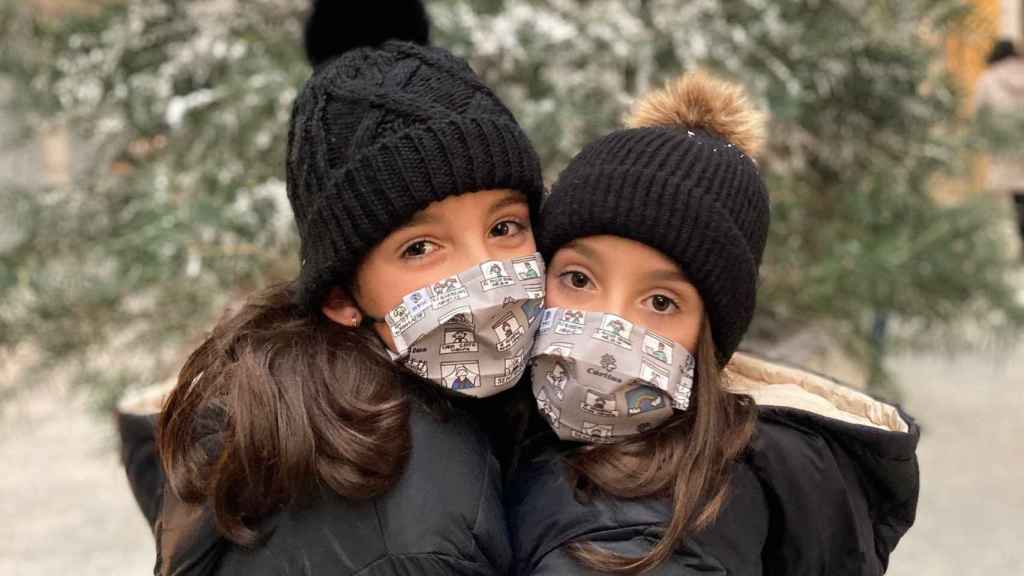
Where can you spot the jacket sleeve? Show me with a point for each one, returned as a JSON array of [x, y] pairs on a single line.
[[427, 565], [687, 560], [137, 433], [840, 495]]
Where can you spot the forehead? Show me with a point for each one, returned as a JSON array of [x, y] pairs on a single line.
[[628, 257]]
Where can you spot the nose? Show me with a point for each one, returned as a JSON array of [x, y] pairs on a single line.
[[612, 299], [617, 303], [473, 251]]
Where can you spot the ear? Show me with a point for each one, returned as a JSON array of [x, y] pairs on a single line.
[[341, 308]]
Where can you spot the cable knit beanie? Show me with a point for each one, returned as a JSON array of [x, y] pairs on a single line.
[[682, 180], [385, 126]]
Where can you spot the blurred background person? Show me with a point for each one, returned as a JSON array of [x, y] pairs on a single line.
[[1000, 94]]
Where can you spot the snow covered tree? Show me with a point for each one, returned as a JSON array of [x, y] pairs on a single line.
[[183, 105]]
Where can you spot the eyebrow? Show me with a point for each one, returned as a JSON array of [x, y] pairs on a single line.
[[666, 275], [420, 218], [584, 250], [511, 198], [660, 275]]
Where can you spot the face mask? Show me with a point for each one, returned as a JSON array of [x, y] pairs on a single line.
[[599, 378], [470, 332]]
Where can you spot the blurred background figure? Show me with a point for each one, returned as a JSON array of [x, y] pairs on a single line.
[[1000, 94]]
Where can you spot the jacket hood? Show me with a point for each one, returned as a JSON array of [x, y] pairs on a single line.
[[848, 447], [774, 384]]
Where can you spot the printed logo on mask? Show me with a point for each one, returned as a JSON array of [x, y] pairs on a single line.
[[599, 378]]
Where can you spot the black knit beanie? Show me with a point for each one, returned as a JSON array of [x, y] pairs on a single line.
[[683, 182], [385, 126]]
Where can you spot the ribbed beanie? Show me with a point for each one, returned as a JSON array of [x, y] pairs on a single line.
[[682, 181], [384, 127]]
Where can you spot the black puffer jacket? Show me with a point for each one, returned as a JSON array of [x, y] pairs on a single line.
[[828, 487], [444, 516]]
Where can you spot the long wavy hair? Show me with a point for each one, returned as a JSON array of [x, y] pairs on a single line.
[[275, 402], [687, 459]]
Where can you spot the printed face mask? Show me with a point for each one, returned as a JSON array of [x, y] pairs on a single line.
[[470, 332], [598, 378]]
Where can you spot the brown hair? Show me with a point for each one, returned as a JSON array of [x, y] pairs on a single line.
[[276, 402], [687, 459]]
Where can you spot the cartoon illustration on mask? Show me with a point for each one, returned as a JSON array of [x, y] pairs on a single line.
[[654, 375], [509, 331], [514, 367], [571, 322], [594, 432], [615, 330], [547, 319], [681, 396], [526, 269], [658, 347], [558, 376], [400, 319], [548, 409], [534, 292], [563, 349], [446, 291], [495, 276], [531, 309], [641, 398], [417, 366], [599, 404], [459, 332], [461, 375], [417, 302]]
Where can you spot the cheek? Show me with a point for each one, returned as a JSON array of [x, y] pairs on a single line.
[[687, 333], [530, 244], [553, 297], [382, 285]]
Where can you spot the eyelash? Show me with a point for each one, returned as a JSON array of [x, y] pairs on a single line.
[[566, 278], [409, 246], [674, 306], [520, 228]]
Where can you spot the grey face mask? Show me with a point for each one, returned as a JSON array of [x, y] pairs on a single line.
[[471, 332], [599, 378]]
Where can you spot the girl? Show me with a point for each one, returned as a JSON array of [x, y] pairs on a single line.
[[327, 426], [665, 451]]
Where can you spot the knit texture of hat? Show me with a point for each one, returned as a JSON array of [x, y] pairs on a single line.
[[379, 132], [683, 182]]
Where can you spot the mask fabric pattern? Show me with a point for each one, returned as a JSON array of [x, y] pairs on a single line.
[[598, 378], [470, 332]]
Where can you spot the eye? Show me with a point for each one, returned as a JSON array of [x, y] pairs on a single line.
[[418, 249], [506, 228], [575, 279], [662, 304]]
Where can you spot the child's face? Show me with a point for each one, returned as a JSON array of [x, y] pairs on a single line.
[[443, 239], [632, 280]]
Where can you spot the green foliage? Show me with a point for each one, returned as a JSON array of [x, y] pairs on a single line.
[[183, 107]]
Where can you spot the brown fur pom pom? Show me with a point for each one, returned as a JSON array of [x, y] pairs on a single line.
[[700, 100]]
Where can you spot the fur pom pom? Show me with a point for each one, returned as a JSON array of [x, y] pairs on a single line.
[[334, 27], [699, 100]]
